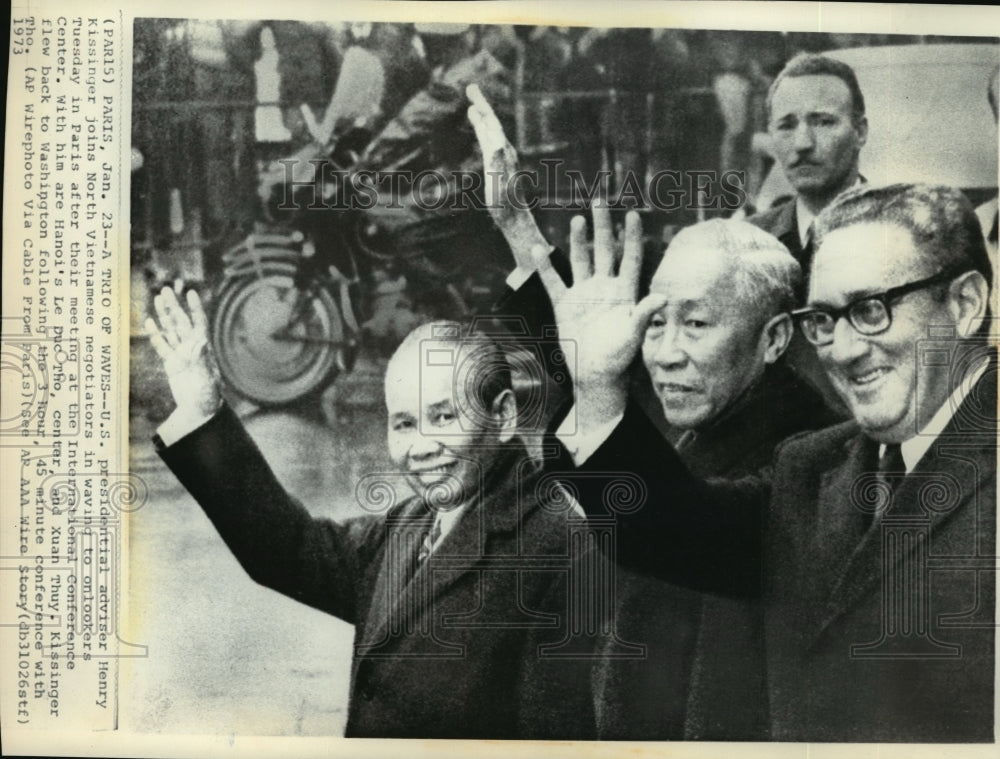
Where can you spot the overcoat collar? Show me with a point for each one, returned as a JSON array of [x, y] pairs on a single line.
[[930, 496], [403, 589]]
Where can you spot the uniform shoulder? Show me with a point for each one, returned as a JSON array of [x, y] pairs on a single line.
[[773, 216]]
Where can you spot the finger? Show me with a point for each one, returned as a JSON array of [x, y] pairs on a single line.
[[475, 95], [604, 239], [551, 280], [645, 309], [480, 107], [156, 339], [628, 273], [476, 119], [579, 258], [178, 316], [312, 126], [488, 129], [507, 157], [166, 320], [198, 318]]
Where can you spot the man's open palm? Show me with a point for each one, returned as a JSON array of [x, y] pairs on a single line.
[[181, 341], [598, 318]]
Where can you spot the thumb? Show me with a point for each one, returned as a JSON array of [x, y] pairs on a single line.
[[645, 309]]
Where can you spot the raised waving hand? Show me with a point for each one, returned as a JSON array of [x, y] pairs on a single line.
[[600, 323], [506, 208], [181, 342]]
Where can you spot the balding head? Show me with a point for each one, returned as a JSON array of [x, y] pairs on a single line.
[[477, 365], [450, 409]]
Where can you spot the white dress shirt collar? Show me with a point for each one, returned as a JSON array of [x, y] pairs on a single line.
[[915, 448], [804, 217], [447, 521]]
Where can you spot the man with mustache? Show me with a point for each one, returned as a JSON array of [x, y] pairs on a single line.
[[872, 544], [817, 124], [446, 589]]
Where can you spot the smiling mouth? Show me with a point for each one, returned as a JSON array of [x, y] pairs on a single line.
[[675, 388], [433, 472], [867, 379]]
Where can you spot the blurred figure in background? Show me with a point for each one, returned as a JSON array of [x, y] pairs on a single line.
[[816, 117]]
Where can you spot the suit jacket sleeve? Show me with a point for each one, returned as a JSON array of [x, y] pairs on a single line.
[[277, 541], [532, 305], [702, 534]]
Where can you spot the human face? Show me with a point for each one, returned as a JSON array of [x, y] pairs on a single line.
[[443, 446], [877, 375], [704, 348], [815, 137]]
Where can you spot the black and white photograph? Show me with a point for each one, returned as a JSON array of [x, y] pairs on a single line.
[[496, 380]]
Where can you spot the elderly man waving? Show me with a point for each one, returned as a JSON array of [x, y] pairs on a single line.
[[872, 544]]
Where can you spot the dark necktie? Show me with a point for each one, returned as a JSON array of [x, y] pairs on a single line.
[[805, 260], [994, 231], [891, 469], [430, 538], [891, 463]]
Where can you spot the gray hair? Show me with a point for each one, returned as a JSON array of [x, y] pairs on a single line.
[[941, 219], [764, 274]]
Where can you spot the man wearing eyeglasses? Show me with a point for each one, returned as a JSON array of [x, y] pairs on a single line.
[[871, 543]]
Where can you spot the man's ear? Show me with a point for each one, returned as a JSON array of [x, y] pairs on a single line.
[[504, 412], [777, 334], [969, 299], [861, 127]]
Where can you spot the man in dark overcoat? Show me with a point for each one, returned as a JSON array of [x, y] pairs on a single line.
[[447, 587], [872, 544]]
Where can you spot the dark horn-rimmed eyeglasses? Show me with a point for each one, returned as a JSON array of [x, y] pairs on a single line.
[[869, 314]]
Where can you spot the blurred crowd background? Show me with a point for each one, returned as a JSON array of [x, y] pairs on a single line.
[[217, 105], [214, 101]]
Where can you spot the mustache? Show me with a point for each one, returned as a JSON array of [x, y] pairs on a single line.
[[804, 162]]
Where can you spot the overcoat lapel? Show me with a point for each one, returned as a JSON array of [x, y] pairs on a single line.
[[405, 591], [390, 601], [839, 520], [460, 551], [950, 474], [786, 225], [484, 534]]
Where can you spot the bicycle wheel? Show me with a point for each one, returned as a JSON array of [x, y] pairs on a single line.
[[275, 343]]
